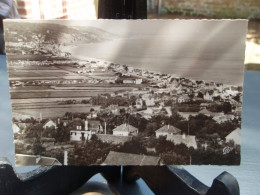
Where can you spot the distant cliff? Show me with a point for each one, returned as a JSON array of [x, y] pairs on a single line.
[[46, 38]]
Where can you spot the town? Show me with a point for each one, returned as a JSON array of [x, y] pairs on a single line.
[[157, 118]]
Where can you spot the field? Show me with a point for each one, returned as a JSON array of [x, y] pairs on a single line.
[[49, 111]]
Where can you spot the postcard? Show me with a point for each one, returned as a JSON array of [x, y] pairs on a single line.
[[126, 92]]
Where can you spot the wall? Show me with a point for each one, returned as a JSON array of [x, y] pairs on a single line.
[[214, 8], [57, 9]]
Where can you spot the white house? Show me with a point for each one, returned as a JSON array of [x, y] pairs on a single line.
[[220, 118], [50, 124], [234, 136], [81, 134], [125, 130], [167, 130], [149, 101], [128, 81], [188, 140], [183, 98], [138, 81], [208, 96], [76, 135], [206, 112], [16, 128]]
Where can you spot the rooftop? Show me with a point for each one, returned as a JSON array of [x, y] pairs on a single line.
[[119, 158], [31, 160], [125, 127], [188, 140], [169, 129]]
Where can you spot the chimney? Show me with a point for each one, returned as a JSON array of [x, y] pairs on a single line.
[[58, 121], [168, 126], [183, 136], [105, 128], [86, 125], [65, 157]]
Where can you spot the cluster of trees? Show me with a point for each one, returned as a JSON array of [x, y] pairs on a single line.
[[90, 153], [215, 156]]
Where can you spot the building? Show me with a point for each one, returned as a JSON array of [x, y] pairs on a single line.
[[114, 109], [138, 81], [167, 130], [188, 140], [208, 95], [125, 130], [32, 160], [120, 158], [139, 103], [206, 112], [129, 81], [234, 136], [16, 128], [90, 128], [186, 115], [183, 99], [50, 124]]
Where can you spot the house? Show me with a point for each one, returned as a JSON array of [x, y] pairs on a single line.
[[188, 140], [32, 160], [120, 158], [183, 99], [93, 125], [206, 112], [16, 128], [128, 81], [90, 128], [234, 136], [114, 109], [204, 106], [138, 81], [223, 117], [208, 95], [50, 124], [186, 115], [125, 130], [149, 100], [167, 130]]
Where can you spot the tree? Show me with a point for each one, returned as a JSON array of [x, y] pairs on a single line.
[[227, 107], [134, 147]]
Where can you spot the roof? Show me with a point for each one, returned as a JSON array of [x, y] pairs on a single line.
[[205, 111], [25, 160], [188, 140], [169, 129], [48, 120], [235, 136], [125, 127], [120, 158], [185, 96]]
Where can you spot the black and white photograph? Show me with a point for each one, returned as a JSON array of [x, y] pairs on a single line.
[[126, 92]]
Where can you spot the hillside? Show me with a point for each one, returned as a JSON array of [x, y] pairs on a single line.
[[25, 38]]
